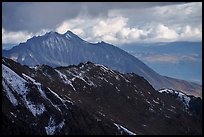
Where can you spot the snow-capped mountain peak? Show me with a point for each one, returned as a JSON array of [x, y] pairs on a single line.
[[56, 49]]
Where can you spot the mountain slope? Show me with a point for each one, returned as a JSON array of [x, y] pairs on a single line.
[[56, 49], [28, 107], [88, 99]]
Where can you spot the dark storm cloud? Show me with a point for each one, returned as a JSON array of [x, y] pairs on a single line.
[[34, 16]]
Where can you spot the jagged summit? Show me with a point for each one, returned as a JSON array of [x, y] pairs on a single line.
[[70, 33], [52, 32], [71, 36]]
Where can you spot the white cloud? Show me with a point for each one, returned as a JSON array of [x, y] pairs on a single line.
[[42, 32], [10, 37], [166, 58], [192, 34], [169, 23], [112, 29], [164, 32], [63, 27], [14, 37], [106, 29], [109, 26], [75, 25]]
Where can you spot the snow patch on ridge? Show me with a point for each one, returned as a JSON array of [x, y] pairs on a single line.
[[82, 77], [181, 96], [52, 127], [62, 100], [43, 93], [36, 83], [64, 78], [123, 129], [18, 84], [9, 94]]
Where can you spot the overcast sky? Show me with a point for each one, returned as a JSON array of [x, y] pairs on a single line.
[[116, 23]]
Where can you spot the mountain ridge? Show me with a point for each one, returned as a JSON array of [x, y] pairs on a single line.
[[89, 99], [56, 49]]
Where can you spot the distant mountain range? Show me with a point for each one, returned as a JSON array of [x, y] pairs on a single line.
[[56, 49], [169, 58], [91, 99]]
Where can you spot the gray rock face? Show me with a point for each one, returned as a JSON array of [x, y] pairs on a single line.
[[56, 49]]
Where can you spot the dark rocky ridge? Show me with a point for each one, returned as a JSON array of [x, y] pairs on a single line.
[[100, 97]]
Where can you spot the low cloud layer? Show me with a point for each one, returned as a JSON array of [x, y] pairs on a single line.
[[15, 37], [117, 23], [168, 58]]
